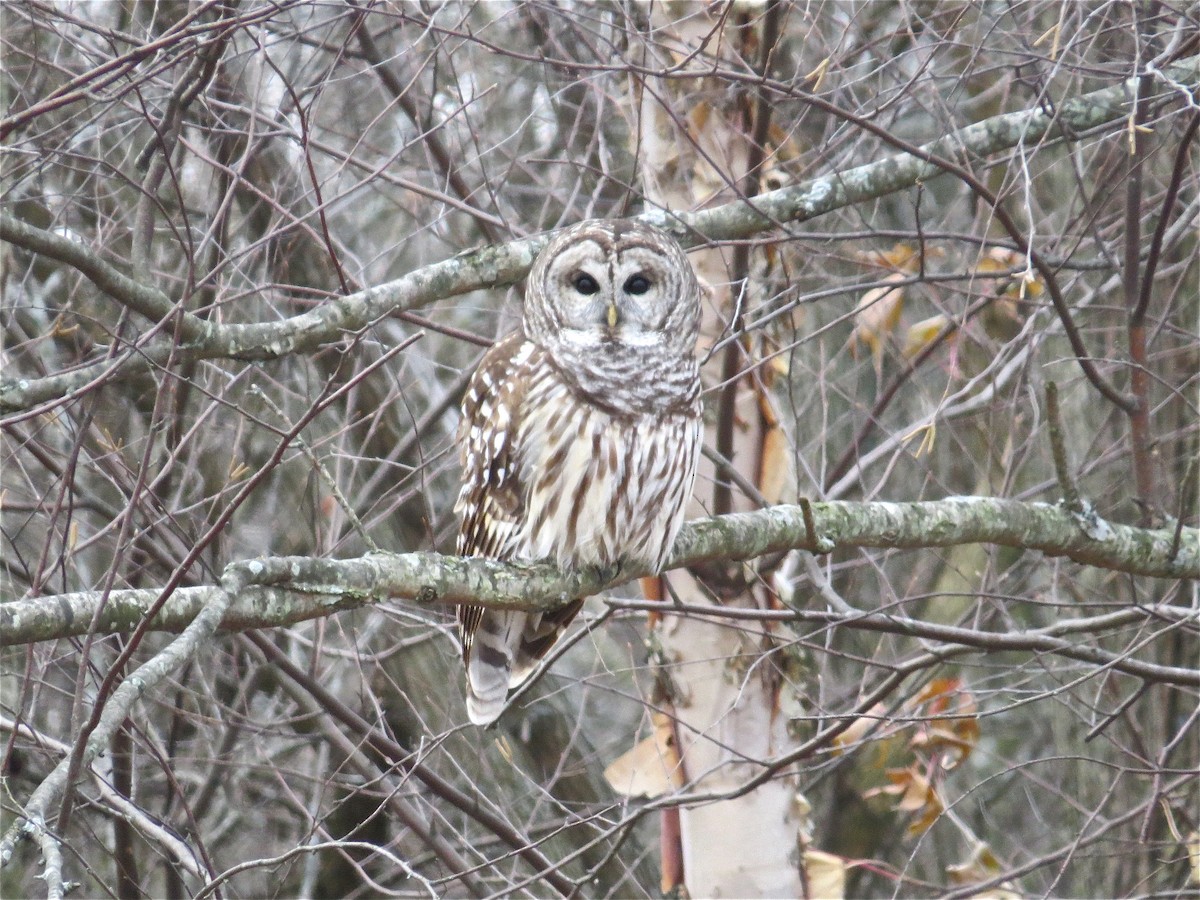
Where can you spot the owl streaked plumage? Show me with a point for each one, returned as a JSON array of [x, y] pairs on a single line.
[[580, 433]]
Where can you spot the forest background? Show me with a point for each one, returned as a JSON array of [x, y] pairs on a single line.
[[942, 638]]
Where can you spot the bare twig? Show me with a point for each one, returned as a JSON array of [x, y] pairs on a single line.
[[507, 263], [33, 813], [1058, 449]]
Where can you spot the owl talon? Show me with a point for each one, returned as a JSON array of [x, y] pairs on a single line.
[[607, 575]]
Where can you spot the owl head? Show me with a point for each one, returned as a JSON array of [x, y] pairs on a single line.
[[609, 288]]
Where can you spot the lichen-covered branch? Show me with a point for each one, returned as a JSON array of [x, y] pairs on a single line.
[[1068, 121], [504, 264], [331, 321], [283, 590]]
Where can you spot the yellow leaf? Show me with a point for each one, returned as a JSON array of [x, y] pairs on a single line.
[[928, 436], [109, 443], [859, 727], [504, 748], [60, 330], [1031, 285], [817, 75], [922, 334], [982, 865], [1018, 287], [902, 257], [1051, 32], [999, 259], [775, 465]]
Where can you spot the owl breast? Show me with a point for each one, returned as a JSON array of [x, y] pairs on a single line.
[[604, 488]]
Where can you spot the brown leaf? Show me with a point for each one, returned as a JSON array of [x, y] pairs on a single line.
[[953, 731], [915, 793], [775, 466]]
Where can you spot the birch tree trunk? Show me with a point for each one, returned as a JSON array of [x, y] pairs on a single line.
[[697, 149]]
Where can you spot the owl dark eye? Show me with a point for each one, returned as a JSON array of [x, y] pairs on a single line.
[[585, 283], [637, 284]]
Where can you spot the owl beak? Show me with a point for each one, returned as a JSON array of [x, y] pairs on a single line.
[[613, 315]]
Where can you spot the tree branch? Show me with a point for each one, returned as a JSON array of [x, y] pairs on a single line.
[[504, 264], [284, 590], [489, 267], [33, 815]]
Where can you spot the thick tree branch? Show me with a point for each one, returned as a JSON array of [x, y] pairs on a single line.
[[504, 264], [489, 267], [809, 199], [284, 590]]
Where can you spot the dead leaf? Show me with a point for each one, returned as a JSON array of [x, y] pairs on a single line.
[[900, 257], [1193, 851], [915, 793], [922, 334], [859, 727], [875, 318], [1016, 286], [982, 865], [651, 768], [826, 875], [953, 731]]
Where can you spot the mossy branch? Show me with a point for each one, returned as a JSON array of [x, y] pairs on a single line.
[[504, 264], [284, 590]]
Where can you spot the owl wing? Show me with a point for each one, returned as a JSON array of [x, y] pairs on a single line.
[[492, 508], [500, 649], [491, 502]]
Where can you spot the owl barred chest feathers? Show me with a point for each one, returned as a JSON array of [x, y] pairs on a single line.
[[598, 486], [580, 433]]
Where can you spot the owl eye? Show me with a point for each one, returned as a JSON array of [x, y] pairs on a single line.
[[637, 284], [585, 283]]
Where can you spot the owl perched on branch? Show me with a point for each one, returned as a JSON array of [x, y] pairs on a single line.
[[580, 433]]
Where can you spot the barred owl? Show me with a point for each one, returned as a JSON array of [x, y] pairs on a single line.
[[580, 433]]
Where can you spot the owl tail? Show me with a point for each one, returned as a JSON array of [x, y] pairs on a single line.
[[505, 650], [490, 664]]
